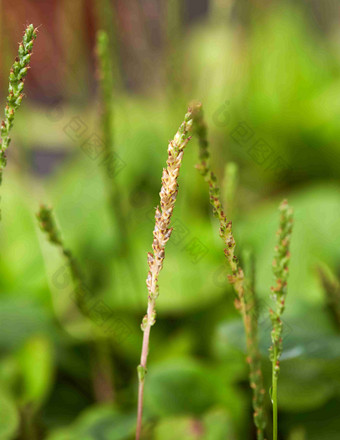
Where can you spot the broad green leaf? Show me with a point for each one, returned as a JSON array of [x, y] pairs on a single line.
[[305, 386], [214, 425], [181, 428], [218, 425], [21, 320], [9, 417], [98, 423], [179, 386], [298, 433], [301, 338], [321, 423], [36, 362]]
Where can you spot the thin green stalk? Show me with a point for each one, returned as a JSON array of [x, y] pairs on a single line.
[[220, 11], [114, 192], [103, 367], [279, 293], [107, 21], [15, 91], [331, 286], [230, 183], [48, 226], [245, 301], [254, 357], [161, 234], [274, 399], [106, 91], [174, 55], [105, 78], [29, 431]]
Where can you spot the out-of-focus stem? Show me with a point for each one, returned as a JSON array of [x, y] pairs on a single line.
[[102, 371], [107, 21], [48, 226], [229, 187], [331, 286], [29, 431], [105, 77], [220, 10]]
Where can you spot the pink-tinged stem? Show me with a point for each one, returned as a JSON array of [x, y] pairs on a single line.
[[143, 363]]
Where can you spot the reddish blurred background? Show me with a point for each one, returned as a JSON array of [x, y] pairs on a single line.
[[64, 61]]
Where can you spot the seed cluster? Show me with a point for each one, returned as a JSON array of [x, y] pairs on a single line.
[[47, 225], [168, 194], [279, 292], [237, 276], [15, 89]]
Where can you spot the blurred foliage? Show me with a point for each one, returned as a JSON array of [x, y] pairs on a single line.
[[275, 70]]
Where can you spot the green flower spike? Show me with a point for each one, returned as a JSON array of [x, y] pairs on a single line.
[[15, 90]]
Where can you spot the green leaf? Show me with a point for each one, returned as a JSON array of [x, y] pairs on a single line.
[[177, 387], [305, 386], [316, 214], [186, 428], [9, 417], [99, 423], [301, 339], [218, 425], [20, 320], [322, 423], [214, 425], [36, 368]]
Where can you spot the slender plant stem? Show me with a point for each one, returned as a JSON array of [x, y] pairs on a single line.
[[229, 187], [114, 191], [331, 286], [29, 431], [107, 21], [161, 234], [103, 381], [274, 401], [102, 372], [245, 294], [142, 370], [48, 225], [105, 79], [279, 293], [173, 54], [250, 318]]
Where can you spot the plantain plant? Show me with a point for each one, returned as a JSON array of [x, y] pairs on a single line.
[[279, 293], [48, 225], [244, 288], [161, 233], [243, 281], [17, 75]]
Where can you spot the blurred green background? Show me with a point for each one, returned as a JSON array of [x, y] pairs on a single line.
[[268, 75]]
